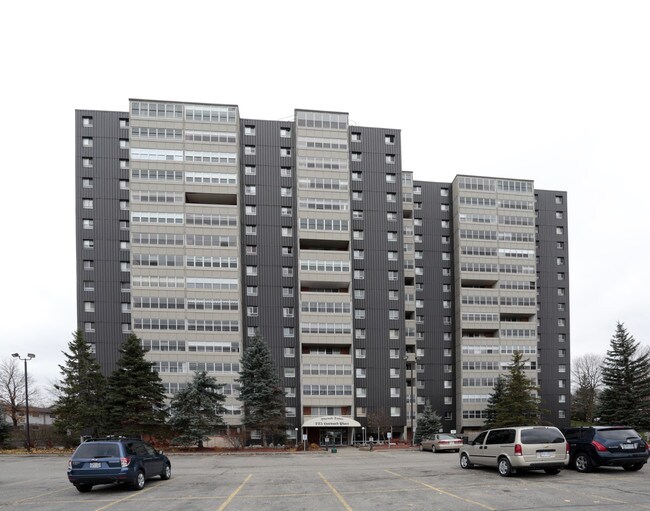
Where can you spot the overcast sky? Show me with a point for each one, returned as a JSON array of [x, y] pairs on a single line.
[[556, 92]]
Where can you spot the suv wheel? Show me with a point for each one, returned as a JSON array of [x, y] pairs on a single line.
[[634, 467], [583, 463], [138, 484], [464, 461], [166, 473], [505, 468]]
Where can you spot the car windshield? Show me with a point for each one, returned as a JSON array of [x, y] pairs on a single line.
[[97, 450], [618, 435], [541, 436]]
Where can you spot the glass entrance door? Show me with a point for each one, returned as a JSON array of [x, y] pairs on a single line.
[[336, 436]]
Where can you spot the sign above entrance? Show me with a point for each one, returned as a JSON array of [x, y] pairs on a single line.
[[331, 421]]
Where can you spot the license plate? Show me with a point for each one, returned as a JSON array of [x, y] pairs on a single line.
[[545, 454], [628, 446], [95, 465]]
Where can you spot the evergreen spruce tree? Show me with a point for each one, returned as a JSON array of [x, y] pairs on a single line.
[[260, 391], [197, 411], [5, 430], [625, 398], [136, 397], [428, 424], [518, 404], [494, 402], [80, 406]]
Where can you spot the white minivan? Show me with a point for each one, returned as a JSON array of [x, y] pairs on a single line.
[[515, 448]]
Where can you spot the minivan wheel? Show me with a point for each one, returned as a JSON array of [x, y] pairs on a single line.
[[83, 488], [634, 467], [583, 462], [167, 472], [138, 484], [552, 471], [505, 468], [464, 461]]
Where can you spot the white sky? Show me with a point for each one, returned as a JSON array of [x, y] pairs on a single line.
[[557, 92]]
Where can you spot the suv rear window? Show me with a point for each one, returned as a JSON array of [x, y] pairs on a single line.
[[95, 450], [618, 435], [541, 436]]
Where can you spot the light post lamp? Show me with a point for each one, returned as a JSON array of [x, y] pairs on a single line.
[[28, 357], [296, 438], [363, 434]]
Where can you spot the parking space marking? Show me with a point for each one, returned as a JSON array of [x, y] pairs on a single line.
[[119, 501], [469, 501], [233, 494], [335, 492], [21, 501]]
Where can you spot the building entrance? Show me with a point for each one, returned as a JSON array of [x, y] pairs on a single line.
[[337, 436]]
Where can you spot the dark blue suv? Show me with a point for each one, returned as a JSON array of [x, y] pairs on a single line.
[[595, 446], [116, 460]]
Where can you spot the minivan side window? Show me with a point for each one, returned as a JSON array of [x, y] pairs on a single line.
[[479, 439], [501, 436]]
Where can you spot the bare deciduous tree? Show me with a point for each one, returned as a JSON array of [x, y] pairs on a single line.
[[586, 379], [12, 388]]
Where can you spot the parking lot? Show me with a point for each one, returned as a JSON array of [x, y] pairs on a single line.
[[347, 480]]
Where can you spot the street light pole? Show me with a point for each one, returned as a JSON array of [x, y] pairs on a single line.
[[28, 357]]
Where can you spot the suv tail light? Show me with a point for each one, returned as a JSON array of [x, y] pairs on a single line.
[[125, 462], [568, 448], [518, 450], [599, 447]]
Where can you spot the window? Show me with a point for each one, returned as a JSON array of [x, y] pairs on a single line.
[[250, 170], [285, 151], [357, 176], [251, 210], [289, 352], [287, 251], [559, 199], [391, 217], [360, 392], [285, 171], [444, 207], [251, 290], [289, 372], [393, 275], [125, 266], [358, 254], [249, 150], [285, 191], [251, 230], [561, 337], [359, 314], [448, 400], [559, 261], [124, 245], [561, 384], [360, 372], [560, 276], [287, 231], [395, 411], [560, 291], [561, 322], [359, 294], [389, 139], [87, 141], [447, 384], [251, 271], [89, 306], [355, 137], [89, 244], [359, 274], [446, 256], [393, 314], [285, 132], [391, 197], [287, 312], [357, 235], [287, 292], [250, 190], [89, 326], [124, 143], [561, 368], [290, 391], [559, 231], [360, 333], [390, 159], [89, 264], [393, 294], [287, 271], [88, 223], [252, 311], [87, 162], [561, 353], [286, 211], [87, 122], [89, 285], [124, 184], [446, 272], [249, 130], [356, 156], [360, 353], [391, 236], [357, 215], [392, 255], [394, 392], [87, 182]]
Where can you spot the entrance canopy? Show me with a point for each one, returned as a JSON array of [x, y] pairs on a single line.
[[331, 421]]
